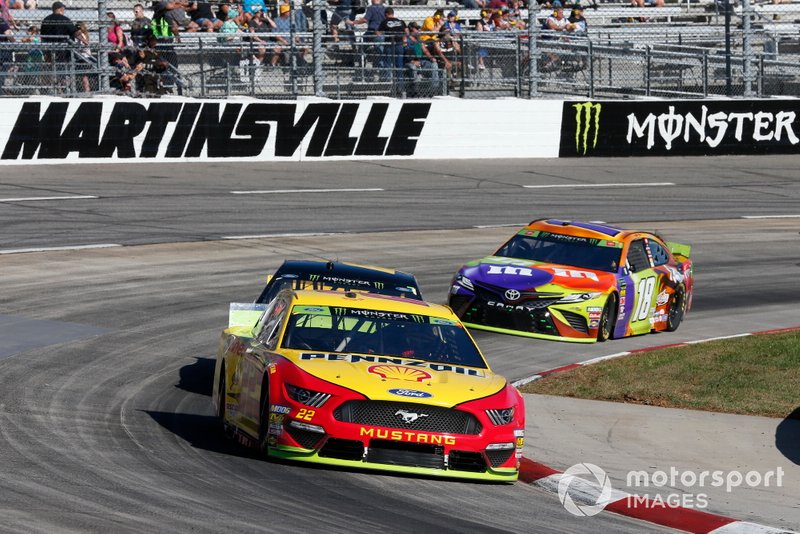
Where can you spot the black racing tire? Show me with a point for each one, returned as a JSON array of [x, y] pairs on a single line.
[[677, 309], [605, 326], [263, 418]]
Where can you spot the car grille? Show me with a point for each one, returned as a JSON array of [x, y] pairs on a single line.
[[576, 321], [389, 415], [407, 454], [537, 321], [305, 438], [497, 458]]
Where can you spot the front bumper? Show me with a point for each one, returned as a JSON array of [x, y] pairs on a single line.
[[542, 318]]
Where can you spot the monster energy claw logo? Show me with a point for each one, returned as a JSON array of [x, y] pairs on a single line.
[[583, 125], [313, 277]]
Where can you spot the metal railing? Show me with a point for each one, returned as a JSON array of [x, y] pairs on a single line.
[[754, 55]]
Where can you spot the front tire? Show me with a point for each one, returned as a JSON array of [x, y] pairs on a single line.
[[677, 309], [605, 327]]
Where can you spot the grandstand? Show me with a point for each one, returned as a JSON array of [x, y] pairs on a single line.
[[683, 49]]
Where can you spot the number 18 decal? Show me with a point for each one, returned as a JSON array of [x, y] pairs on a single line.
[[645, 292]]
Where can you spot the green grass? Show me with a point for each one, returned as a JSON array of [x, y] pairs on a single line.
[[753, 375]]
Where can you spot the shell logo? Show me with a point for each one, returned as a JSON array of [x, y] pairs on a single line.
[[399, 372]]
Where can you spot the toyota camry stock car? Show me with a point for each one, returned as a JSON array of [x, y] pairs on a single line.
[[326, 275], [576, 281], [371, 381]]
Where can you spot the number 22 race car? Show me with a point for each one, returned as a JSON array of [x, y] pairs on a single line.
[[368, 381], [575, 281]]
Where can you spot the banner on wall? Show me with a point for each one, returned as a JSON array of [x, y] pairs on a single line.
[[680, 128], [108, 130]]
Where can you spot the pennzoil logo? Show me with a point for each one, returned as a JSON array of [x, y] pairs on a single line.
[[587, 126], [399, 372]]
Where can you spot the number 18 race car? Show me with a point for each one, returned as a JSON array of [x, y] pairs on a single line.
[[369, 381], [575, 281]]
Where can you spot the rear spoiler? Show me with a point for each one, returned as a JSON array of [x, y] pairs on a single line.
[[245, 313], [678, 249]]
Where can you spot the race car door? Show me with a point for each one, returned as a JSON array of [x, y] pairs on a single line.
[[644, 281]]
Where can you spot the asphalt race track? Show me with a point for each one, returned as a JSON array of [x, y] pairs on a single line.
[[106, 354]]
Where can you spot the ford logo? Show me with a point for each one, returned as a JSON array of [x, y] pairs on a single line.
[[410, 393]]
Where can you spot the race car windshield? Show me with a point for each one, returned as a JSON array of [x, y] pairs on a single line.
[[354, 330], [584, 252], [317, 282]]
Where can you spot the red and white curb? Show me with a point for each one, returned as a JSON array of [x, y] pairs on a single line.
[[521, 382], [586, 493]]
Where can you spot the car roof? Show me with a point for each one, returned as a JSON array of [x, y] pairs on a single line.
[[584, 229], [347, 270], [370, 301]]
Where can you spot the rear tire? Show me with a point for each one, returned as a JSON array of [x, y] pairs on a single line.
[[227, 430], [677, 309], [605, 327]]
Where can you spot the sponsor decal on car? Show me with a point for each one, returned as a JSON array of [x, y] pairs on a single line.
[[413, 393], [277, 408], [404, 435], [399, 372], [355, 358], [662, 298]]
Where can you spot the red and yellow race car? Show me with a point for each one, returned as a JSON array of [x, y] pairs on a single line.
[[575, 281], [370, 381]]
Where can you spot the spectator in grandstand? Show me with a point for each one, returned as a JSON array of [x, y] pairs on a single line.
[[174, 13], [475, 4], [283, 25], [431, 25], [554, 26], [202, 15], [420, 64], [452, 24], [27, 4], [124, 76], [35, 56], [485, 24], [343, 13], [260, 26], [497, 5], [116, 36], [648, 3], [299, 16], [500, 22], [6, 55], [140, 25], [5, 14], [253, 6], [151, 69], [577, 22], [58, 28], [393, 31], [515, 18], [373, 16], [450, 50]]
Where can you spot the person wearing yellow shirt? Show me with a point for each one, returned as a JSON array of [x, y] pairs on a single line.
[[432, 25]]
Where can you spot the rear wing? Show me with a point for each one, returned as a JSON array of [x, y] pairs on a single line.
[[677, 249], [245, 313]]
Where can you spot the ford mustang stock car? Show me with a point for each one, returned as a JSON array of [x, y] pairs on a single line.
[[369, 381], [576, 281], [326, 275]]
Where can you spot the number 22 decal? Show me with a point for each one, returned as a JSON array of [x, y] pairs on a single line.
[[645, 292], [305, 414]]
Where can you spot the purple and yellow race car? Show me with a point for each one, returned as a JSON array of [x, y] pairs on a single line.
[[574, 281]]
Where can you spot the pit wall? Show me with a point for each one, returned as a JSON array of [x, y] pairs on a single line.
[[48, 130]]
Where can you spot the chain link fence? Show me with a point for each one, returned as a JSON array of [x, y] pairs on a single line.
[[476, 49]]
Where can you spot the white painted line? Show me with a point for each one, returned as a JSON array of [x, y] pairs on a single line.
[[281, 191], [770, 216], [745, 527], [498, 225], [32, 199], [266, 236], [564, 186], [716, 338], [50, 249]]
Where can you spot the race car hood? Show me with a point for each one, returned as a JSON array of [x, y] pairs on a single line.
[[400, 379], [526, 275]]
